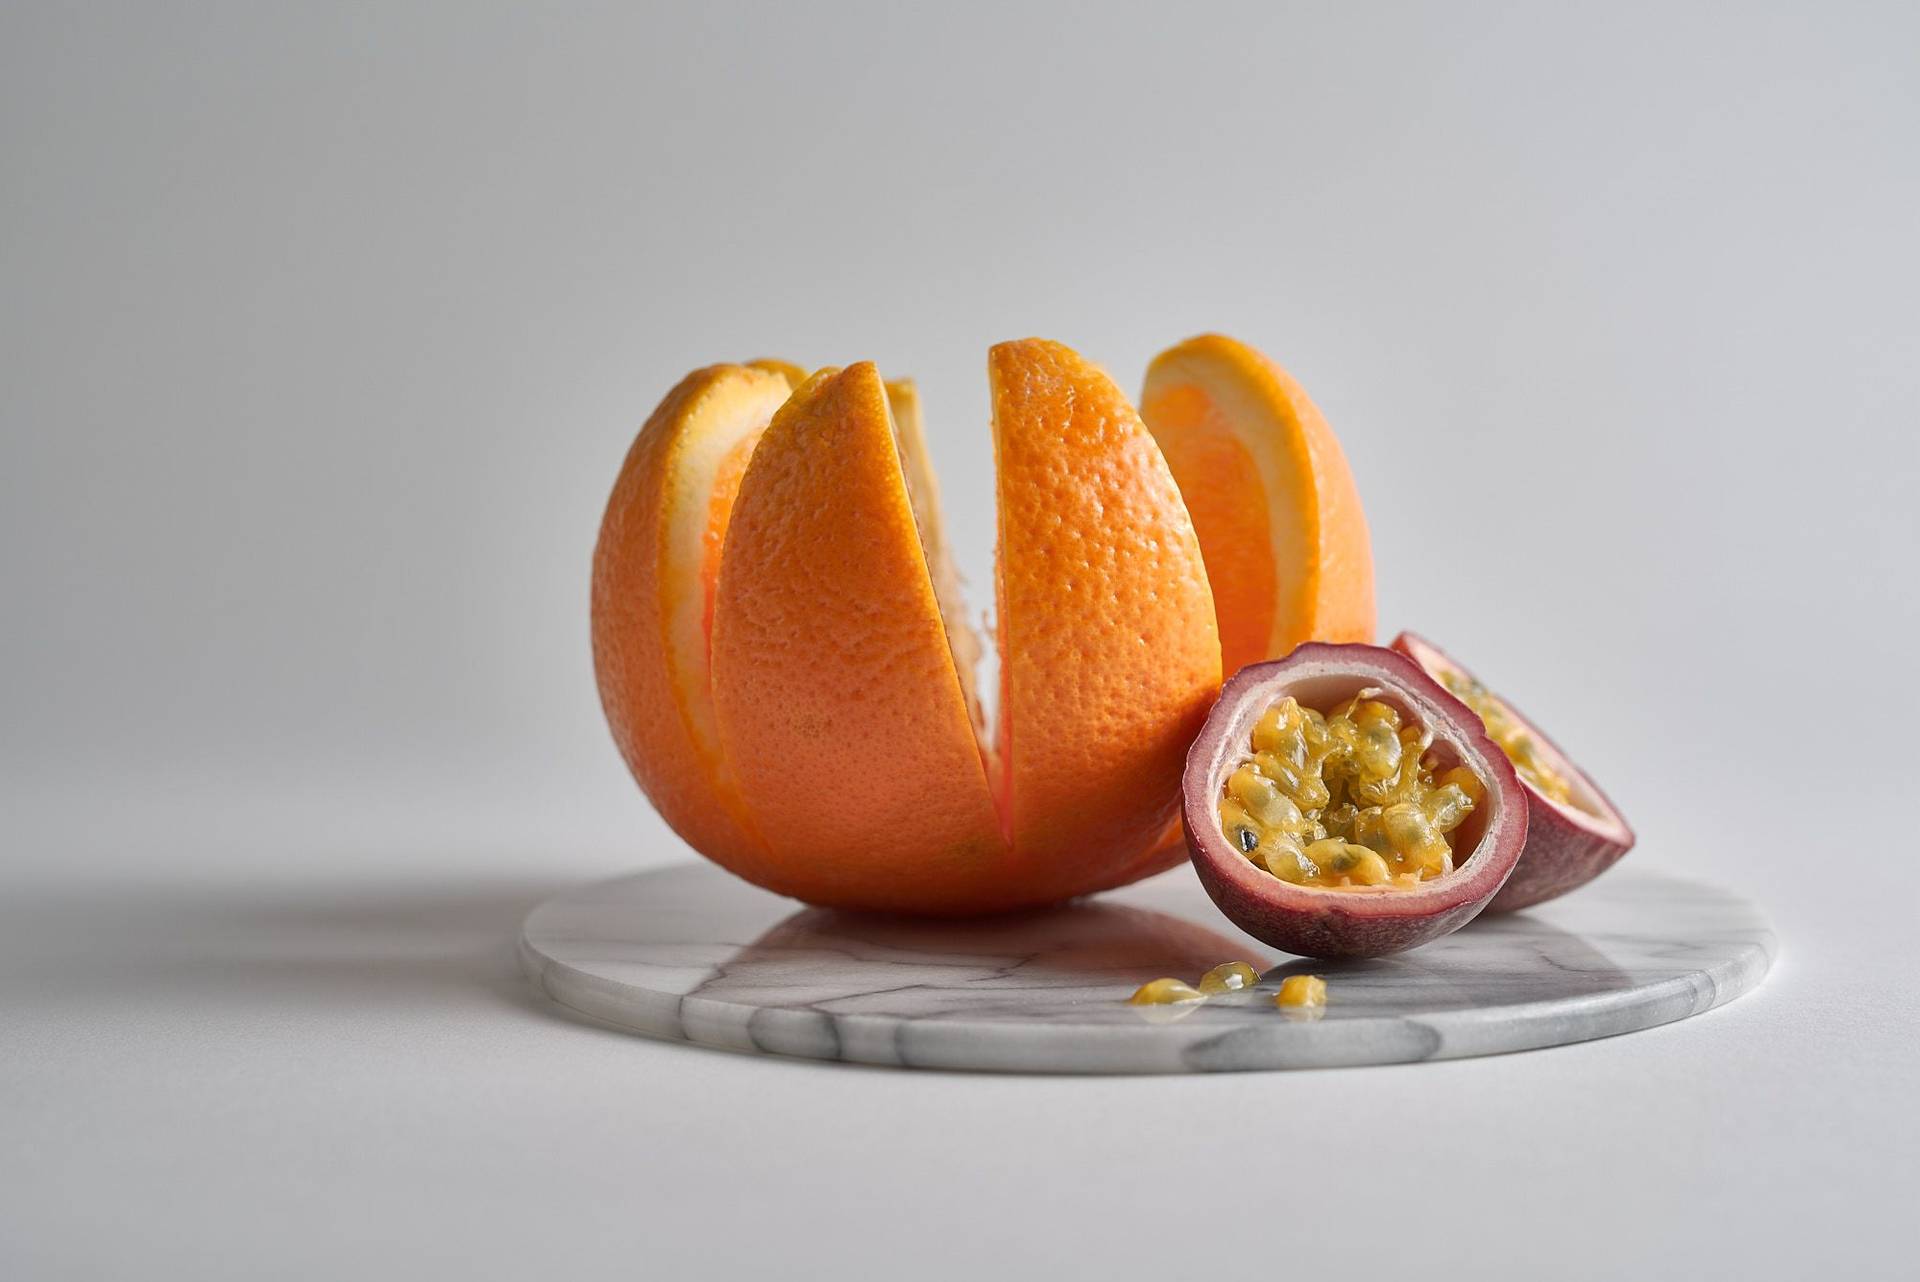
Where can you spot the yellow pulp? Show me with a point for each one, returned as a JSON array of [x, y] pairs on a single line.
[[1508, 733], [1227, 977], [1159, 992], [1345, 799], [1301, 990]]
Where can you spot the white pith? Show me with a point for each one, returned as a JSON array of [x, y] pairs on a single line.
[[712, 430]]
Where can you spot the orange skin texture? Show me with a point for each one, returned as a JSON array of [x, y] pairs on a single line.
[[646, 688], [1216, 406], [1109, 654], [776, 667], [838, 702]]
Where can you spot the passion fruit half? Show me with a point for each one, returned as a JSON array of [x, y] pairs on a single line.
[[1573, 832], [1340, 803]]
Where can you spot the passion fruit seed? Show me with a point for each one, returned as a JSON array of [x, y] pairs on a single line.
[[1162, 992], [1510, 735], [1228, 977], [1345, 799], [1302, 992]]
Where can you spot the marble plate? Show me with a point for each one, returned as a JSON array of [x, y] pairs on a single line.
[[692, 954]]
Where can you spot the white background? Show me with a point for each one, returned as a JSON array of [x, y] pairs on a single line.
[[323, 332]]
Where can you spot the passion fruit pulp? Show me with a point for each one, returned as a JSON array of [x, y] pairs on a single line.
[[1428, 830], [1573, 832]]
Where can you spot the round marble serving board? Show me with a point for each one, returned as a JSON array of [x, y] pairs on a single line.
[[693, 954]]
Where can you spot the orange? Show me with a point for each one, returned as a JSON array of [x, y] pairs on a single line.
[[1109, 659], [840, 707], [903, 400], [785, 369], [654, 573], [1270, 494], [785, 661]]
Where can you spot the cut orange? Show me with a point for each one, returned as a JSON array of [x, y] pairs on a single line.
[[785, 369], [784, 655], [840, 707], [1270, 494], [903, 399], [1109, 658], [653, 586]]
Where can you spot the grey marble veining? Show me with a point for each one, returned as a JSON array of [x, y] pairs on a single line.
[[692, 954]]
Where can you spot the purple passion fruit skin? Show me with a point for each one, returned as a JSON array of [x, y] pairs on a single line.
[[1369, 921], [1571, 838]]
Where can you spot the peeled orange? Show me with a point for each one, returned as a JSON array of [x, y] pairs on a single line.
[[784, 657]]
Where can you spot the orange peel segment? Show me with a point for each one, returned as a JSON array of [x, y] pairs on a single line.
[[794, 374], [1271, 496], [1109, 654], [839, 704], [653, 581]]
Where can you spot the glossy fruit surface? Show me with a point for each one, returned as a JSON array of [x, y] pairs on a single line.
[[1354, 920], [1574, 832]]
